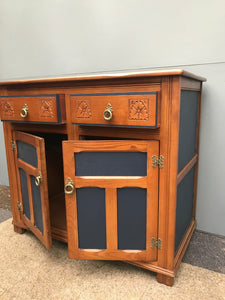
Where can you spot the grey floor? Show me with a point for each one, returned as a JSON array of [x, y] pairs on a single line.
[[5, 204], [205, 250]]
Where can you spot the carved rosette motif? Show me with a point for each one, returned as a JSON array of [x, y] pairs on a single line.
[[138, 109], [46, 109], [7, 108], [84, 109]]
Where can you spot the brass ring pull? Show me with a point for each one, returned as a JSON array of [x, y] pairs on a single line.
[[38, 180], [24, 111], [108, 113], [69, 187]]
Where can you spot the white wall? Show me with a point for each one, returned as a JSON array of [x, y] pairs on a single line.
[[48, 38]]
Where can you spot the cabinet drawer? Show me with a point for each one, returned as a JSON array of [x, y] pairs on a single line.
[[33, 108], [136, 109]]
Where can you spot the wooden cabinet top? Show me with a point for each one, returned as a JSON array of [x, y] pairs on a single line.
[[103, 76]]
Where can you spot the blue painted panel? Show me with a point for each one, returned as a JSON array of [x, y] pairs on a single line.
[[91, 218], [188, 127], [131, 213], [111, 164], [25, 195], [184, 206], [27, 153], [38, 218]]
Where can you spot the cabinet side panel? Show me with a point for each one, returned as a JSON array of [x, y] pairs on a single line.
[[187, 127], [184, 207]]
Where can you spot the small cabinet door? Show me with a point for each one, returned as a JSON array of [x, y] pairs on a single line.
[[32, 185], [111, 199]]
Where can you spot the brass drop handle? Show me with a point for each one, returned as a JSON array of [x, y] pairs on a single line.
[[108, 113], [24, 111], [69, 187], [38, 180]]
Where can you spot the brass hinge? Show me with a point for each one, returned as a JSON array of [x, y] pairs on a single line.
[[156, 243], [13, 145], [157, 161], [19, 206]]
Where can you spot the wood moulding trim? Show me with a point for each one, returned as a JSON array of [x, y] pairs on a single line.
[[187, 168], [151, 267], [184, 244]]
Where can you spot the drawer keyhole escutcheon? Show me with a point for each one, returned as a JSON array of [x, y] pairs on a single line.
[[38, 180], [108, 113], [69, 187], [24, 111]]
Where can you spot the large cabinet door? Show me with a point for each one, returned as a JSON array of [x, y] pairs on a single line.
[[32, 185], [111, 192]]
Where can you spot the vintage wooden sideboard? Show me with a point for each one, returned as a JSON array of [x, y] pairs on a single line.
[[107, 163]]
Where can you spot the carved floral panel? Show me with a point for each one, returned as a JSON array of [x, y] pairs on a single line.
[[7, 108], [138, 109], [46, 109], [84, 109]]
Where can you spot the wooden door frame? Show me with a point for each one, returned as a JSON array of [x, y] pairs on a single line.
[[38, 144]]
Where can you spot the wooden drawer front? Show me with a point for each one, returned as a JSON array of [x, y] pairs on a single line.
[[128, 109], [40, 108]]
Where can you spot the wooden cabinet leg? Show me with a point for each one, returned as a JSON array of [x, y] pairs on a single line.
[[161, 278], [19, 229]]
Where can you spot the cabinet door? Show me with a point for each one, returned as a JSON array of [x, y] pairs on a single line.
[[111, 199], [32, 185]]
